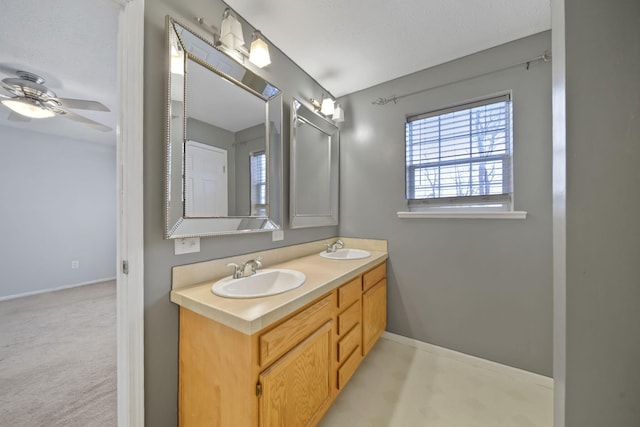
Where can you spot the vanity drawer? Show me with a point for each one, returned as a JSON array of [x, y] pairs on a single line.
[[373, 276], [346, 371], [349, 318], [349, 293], [349, 343], [288, 334]]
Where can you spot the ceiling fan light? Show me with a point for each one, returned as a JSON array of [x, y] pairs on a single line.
[[259, 53], [27, 108], [327, 106]]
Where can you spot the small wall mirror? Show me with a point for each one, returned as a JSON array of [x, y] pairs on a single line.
[[315, 164], [224, 142]]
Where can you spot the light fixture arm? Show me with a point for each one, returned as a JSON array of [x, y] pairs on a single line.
[[211, 29], [328, 108]]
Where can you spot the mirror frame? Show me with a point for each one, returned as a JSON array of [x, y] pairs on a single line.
[[177, 225], [301, 113]]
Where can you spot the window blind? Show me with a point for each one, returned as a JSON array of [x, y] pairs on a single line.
[[258, 183], [460, 155]]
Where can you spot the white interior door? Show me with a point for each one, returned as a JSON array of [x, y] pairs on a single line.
[[206, 180]]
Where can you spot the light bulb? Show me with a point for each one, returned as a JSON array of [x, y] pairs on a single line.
[[327, 107], [338, 114], [259, 53]]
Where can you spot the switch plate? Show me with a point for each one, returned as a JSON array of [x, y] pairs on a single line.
[[75, 264], [277, 235], [187, 245]]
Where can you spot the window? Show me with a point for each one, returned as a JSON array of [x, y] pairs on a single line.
[[460, 157], [258, 161]]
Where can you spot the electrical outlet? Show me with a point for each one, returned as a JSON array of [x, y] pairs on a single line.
[[277, 235], [187, 245], [75, 264]]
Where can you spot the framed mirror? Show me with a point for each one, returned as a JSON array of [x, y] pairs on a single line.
[[224, 142], [315, 164]]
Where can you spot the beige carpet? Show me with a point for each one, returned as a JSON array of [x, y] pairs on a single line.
[[58, 358]]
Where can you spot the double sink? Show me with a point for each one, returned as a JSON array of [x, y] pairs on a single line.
[[275, 281]]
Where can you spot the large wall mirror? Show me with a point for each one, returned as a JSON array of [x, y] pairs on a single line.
[[315, 167], [224, 142]]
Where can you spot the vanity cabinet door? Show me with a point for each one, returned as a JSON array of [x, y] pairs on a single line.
[[374, 314], [297, 388]]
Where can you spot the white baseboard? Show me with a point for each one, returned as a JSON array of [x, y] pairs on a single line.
[[509, 371], [42, 291]]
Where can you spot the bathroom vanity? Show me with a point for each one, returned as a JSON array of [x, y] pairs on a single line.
[[279, 360]]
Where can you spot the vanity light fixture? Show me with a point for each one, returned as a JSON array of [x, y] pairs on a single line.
[[324, 107], [338, 114], [230, 39], [328, 108], [259, 51], [28, 107], [231, 35]]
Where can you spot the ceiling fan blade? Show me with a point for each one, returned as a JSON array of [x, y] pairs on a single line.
[[81, 104], [15, 117], [78, 118]]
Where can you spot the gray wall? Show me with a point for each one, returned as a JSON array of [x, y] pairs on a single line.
[[59, 205], [597, 365], [482, 287], [161, 316]]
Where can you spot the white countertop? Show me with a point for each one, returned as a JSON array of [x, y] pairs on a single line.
[[251, 315]]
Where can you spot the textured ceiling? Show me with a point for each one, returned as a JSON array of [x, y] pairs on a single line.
[[72, 45], [349, 45]]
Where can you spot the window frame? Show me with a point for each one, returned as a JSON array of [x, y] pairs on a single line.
[[473, 203]]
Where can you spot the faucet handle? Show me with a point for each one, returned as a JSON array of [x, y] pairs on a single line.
[[332, 247], [238, 270], [253, 264]]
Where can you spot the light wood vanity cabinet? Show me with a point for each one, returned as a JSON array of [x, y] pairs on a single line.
[[374, 306], [287, 374], [297, 389], [349, 331]]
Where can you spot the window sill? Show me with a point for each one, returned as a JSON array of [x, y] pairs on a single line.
[[465, 215]]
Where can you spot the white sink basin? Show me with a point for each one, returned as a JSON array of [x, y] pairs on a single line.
[[264, 283], [346, 253]]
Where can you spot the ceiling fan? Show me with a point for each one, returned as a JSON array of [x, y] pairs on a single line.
[[31, 99]]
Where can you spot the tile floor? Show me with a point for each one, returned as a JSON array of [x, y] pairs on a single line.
[[399, 385]]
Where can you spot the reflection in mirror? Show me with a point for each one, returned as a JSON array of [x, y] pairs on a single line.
[[314, 169], [224, 157]]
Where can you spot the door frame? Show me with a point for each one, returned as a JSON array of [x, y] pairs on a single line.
[[130, 215]]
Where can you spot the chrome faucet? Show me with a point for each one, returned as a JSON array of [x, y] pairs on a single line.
[[253, 264], [240, 269], [332, 247]]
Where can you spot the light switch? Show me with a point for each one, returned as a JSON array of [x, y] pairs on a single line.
[[187, 245]]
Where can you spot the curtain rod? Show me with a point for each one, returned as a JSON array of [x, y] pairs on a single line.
[[546, 57]]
